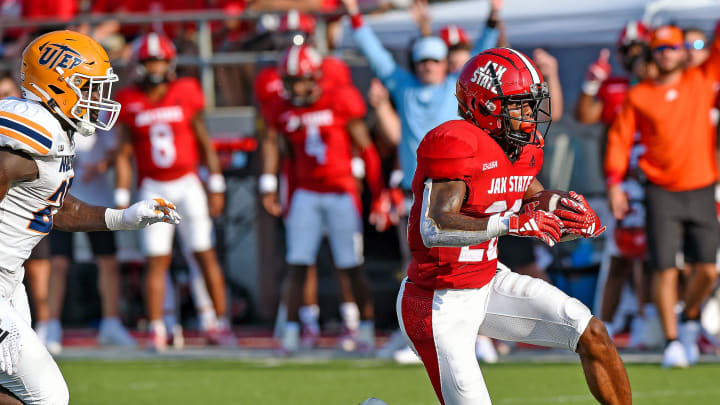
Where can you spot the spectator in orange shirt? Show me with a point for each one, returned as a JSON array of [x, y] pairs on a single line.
[[671, 115]]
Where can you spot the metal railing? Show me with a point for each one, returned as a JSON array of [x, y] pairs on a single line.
[[206, 59]]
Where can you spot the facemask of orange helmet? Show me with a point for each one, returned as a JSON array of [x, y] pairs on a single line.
[[71, 74]]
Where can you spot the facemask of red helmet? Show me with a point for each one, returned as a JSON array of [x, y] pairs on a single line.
[[300, 69], [301, 91]]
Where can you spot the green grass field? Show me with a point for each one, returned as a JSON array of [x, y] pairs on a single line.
[[349, 382]]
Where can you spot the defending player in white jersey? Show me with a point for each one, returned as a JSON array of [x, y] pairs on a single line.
[[66, 80]]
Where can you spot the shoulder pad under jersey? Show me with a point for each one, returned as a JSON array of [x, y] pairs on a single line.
[[28, 127], [449, 151]]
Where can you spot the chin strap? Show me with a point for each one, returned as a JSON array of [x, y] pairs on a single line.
[[82, 128]]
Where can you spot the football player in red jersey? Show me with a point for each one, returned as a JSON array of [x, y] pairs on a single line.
[[600, 101], [296, 28], [472, 177], [321, 124], [162, 126]]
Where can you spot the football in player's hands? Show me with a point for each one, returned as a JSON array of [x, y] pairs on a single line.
[[578, 218], [551, 201]]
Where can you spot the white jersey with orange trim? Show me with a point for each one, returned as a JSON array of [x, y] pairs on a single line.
[[26, 210]]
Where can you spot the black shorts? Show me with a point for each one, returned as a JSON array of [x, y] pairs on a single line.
[[516, 252], [41, 251], [101, 243], [681, 221]]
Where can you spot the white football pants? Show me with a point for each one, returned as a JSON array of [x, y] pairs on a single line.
[[38, 379], [441, 326]]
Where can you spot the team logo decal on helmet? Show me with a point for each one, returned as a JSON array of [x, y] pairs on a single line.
[[57, 55], [482, 76], [503, 92], [71, 74]]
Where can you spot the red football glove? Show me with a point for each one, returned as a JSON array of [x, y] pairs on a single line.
[[397, 199], [582, 220], [597, 73], [536, 224], [381, 212]]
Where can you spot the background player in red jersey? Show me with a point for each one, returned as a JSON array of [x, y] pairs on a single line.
[[298, 28], [321, 123], [162, 125], [471, 180]]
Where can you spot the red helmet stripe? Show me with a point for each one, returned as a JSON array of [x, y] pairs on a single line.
[[533, 73]]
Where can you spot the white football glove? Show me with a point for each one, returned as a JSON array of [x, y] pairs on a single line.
[[10, 345], [142, 214]]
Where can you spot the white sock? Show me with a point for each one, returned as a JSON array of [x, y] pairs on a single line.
[[208, 320], [309, 315], [158, 326], [350, 315], [223, 323]]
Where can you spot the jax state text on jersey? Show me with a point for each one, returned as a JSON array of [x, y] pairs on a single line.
[[458, 150]]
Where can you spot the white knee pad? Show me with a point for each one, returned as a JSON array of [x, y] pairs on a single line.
[[526, 309]]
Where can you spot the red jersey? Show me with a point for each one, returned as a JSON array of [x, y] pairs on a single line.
[[320, 143], [458, 150], [163, 138], [612, 93]]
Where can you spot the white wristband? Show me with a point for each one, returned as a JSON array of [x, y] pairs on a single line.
[[396, 177], [357, 165], [216, 183], [267, 183], [122, 197], [498, 224], [113, 219], [591, 87]]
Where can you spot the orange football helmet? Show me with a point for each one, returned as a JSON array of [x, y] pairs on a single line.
[[71, 74]]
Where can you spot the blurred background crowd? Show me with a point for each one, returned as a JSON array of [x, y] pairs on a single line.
[[400, 58]]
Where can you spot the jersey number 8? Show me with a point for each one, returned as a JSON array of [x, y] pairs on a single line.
[[162, 141]]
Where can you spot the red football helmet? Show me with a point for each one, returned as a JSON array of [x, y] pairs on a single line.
[[633, 32], [154, 46], [633, 44], [453, 36], [631, 242], [301, 63], [493, 81]]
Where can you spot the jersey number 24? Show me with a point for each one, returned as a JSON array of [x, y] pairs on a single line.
[[468, 254]]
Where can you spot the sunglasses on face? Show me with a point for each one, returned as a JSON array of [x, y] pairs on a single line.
[[697, 44], [662, 48]]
